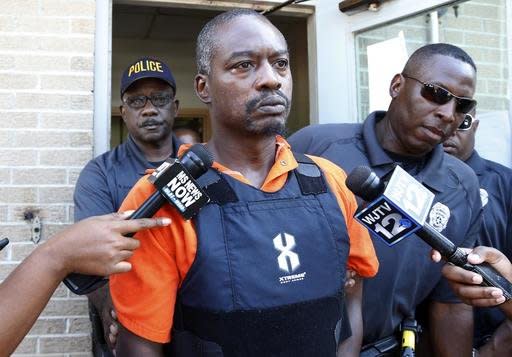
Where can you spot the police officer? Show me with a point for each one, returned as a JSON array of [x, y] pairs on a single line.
[[491, 329], [428, 102], [148, 109], [260, 271]]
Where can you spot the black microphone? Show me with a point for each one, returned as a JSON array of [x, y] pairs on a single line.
[[402, 204], [175, 183], [3, 243]]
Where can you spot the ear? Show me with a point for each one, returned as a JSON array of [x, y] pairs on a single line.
[[475, 124], [202, 89], [176, 107], [122, 111], [396, 85]]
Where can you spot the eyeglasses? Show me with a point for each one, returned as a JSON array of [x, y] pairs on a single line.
[[441, 96], [467, 123], [139, 101]]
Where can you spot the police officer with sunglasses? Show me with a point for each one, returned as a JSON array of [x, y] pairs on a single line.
[[429, 101], [493, 333], [148, 109]]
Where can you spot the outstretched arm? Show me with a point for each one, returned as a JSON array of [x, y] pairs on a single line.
[[95, 246]]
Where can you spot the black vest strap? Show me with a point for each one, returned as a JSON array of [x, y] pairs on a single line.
[[217, 188], [309, 176], [252, 333], [186, 344]]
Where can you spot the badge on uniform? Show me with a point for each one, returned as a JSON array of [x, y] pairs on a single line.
[[439, 216]]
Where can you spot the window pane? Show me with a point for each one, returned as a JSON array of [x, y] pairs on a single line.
[[416, 32]]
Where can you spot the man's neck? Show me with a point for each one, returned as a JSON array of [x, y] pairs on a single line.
[[157, 151], [388, 139], [252, 156]]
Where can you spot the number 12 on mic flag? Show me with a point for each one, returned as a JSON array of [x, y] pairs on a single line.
[[400, 210]]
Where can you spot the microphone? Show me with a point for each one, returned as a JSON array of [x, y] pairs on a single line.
[[399, 208], [3, 243], [396, 209], [175, 183]]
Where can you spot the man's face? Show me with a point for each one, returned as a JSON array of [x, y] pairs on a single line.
[[419, 124], [151, 124], [462, 142], [250, 83]]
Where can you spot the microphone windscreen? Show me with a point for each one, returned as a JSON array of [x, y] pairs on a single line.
[[197, 160], [202, 152], [363, 182]]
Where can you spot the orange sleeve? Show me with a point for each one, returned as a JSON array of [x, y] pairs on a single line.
[[362, 258], [144, 297]]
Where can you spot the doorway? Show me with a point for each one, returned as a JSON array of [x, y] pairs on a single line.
[[169, 33]]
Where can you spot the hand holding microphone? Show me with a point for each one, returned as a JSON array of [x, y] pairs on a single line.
[[399, 208], [468, 285], [175, 183]]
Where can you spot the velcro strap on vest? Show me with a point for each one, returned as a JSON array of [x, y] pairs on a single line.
[[217, 188], [186, 344], [297, 330], [310, 178]]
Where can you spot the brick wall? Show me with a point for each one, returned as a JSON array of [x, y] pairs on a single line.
[[46, 106], [479, 28]]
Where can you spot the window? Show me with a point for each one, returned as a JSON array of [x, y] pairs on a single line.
[[480, 28]]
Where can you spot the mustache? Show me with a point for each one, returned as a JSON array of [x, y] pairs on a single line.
[[450, 143], [150, 122], [253, 104]]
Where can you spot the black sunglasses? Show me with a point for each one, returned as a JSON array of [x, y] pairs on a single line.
[[467, 123], [139, 101], [441, 96]]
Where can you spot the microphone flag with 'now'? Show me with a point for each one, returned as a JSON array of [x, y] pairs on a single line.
[[179, 188]]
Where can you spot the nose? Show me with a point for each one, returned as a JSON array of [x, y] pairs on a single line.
[[447, 112], [268, 78], [452, 134], [149, 109]]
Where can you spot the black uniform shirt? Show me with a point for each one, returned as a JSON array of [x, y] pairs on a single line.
[[406, 276], [496, 193]]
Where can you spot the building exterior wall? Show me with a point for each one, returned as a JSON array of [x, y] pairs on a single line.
[[46, 108], [46, 125]]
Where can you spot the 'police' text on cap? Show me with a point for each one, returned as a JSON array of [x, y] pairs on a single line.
[[147, 68]]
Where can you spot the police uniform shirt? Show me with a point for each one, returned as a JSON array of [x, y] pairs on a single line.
[[106, 180], [496, 194], [407, 276]]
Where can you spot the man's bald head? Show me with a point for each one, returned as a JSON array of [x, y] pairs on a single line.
[[207, 40], [419, 60]]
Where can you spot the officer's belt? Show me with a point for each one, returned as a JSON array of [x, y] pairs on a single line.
[[386, 347]]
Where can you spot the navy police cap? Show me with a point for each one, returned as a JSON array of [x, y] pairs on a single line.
[[146, 67]]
